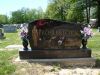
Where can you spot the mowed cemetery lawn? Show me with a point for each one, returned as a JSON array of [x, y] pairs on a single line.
[[11, 38], [6, 56], [7, 67], [94, 44]]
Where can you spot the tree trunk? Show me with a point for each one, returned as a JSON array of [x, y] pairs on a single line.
[[89, 2], [62, 13], [87, 12], [98, 13]]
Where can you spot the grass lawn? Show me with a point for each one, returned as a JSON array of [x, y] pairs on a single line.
[[6, 56], [11, 38], [6, 66], [94, 44]]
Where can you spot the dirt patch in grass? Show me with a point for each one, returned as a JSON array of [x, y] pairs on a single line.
[[35, 68], [32, 68]]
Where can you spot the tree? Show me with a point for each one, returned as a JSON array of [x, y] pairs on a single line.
[[71, 10], [39, 13], [25, 15], [31, 15], [57, 9], [3, 19], [96, 3], [98, 12], [17, 17], [75, 15], [76, 11]]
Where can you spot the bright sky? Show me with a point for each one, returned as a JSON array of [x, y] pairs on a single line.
[[7, 6]]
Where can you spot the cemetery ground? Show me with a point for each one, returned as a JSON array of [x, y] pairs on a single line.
[[9, 67]]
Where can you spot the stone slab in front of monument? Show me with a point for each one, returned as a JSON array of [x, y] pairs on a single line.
[[50, 39]]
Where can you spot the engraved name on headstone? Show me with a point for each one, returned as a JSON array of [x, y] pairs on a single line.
[[54, 35]]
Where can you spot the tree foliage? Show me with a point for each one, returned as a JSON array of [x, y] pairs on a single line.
[[57, 9], [25, 15], [71, 10], [64, 10], [67, 10], [3, 19]]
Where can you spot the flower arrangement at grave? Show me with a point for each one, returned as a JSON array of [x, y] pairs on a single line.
[[86, 34]]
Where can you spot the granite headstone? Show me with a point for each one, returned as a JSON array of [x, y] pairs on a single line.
[[54, 39]]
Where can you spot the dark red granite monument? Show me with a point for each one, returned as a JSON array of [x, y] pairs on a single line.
[[53, 39]]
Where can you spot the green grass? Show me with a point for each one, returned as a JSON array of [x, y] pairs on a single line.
[[6, 65], [94, 42], [11, 38], [6, 56]]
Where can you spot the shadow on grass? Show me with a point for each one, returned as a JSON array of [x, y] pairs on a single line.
[[61, 65]]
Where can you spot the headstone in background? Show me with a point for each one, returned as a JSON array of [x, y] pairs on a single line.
[[24, 24], [1, 33], [1, 26], [99, 29], [93, 22], [54, 39], [9, 28], [18, 26]]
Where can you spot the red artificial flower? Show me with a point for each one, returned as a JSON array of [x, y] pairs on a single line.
[[40, 23]]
